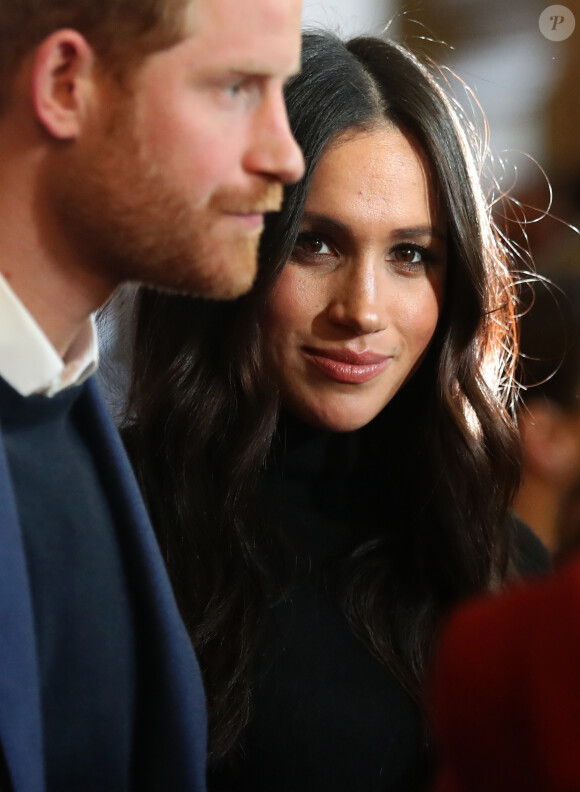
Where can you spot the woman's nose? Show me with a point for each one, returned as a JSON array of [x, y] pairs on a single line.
[[357, 304]]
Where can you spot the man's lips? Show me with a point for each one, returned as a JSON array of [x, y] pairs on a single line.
[[250, 220], [252, 216], [346, 365]]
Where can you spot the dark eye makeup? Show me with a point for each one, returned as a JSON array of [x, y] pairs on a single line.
[[407, 257]]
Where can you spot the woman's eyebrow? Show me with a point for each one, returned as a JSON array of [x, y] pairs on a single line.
[[414, 232], [323, 221]]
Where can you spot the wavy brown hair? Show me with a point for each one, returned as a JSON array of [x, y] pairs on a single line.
[[202, 413]]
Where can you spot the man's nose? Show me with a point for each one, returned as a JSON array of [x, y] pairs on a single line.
[[274, 151]]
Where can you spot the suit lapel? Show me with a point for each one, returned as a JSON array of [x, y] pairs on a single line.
[[20, 718], [180, 722], [180, 718]]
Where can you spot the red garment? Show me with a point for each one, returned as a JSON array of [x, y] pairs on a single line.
[[506, 691]]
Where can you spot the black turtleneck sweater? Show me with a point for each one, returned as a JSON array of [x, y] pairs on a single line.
[[326, 714]]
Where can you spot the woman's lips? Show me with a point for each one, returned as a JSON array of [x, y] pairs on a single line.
[[344, 365]]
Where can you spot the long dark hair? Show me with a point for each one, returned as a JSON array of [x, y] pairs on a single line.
[[202, 414]]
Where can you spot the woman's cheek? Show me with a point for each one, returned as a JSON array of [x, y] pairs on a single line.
[[294, 301], [419, 315]]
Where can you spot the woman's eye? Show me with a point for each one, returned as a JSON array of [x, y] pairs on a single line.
[[309, 244], [410, 254], [411, 258]]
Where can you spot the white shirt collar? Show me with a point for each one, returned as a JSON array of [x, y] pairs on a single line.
[[29, 362]]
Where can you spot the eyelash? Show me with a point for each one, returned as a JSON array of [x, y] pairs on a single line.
[[235, 88], [303, 240], [426, 255], [310, 238], [245, 89]]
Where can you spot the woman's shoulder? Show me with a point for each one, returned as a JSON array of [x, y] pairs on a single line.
[[529, 554]]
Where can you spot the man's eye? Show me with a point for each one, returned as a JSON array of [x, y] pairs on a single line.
[[234, 89], [247, 89]]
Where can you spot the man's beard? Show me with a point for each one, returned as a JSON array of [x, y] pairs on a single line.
[[128, 222]]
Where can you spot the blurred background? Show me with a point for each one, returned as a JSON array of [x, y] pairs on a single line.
[[527, 85], [522, 60]]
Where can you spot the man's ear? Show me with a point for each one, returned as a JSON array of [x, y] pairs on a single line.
[[63, 83]]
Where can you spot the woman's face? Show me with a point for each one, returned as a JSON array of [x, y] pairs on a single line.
[[355, 308]]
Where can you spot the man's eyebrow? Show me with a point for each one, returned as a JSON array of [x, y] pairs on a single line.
[[257, 69]]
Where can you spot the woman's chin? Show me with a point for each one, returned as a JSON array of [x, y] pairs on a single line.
[[334, 419]]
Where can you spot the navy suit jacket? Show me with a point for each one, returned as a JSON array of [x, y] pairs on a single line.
[[179, 709]]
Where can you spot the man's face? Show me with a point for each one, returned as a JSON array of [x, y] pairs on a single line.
[[170, 182]]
